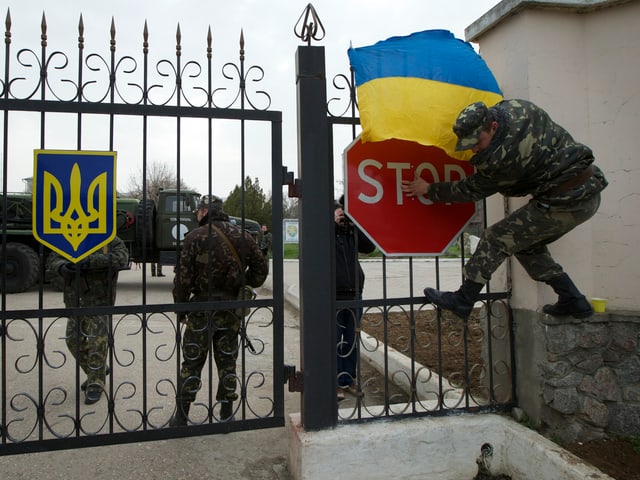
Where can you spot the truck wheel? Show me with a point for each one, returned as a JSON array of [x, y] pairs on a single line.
[[144, 231], [20, 273]]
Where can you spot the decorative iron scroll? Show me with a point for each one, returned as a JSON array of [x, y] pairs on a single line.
[[461, 370], [349, 108], [44, 393], [309, 27], [126, 80], [40, 383]]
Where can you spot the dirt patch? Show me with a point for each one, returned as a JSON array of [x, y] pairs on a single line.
[[617, 457], [433, 341]]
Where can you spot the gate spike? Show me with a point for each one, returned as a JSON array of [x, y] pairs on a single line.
[[81, 33], [113, 34], [178, 40], [43, 31], [145, 38], [308, 26], [7, 24]]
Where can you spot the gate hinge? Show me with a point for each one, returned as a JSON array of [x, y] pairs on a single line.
[[293, 378], [293, 183]]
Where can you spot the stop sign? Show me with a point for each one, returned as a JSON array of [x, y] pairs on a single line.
[[397, 224]]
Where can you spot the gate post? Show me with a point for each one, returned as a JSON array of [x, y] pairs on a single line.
[[317, 244]]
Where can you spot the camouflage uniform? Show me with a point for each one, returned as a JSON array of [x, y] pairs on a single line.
[[208, 270], [529, 155], [91, 282]]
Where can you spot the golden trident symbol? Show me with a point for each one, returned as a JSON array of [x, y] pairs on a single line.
[[75, 223]]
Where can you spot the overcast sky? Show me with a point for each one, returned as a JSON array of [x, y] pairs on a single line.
[[269, 43]]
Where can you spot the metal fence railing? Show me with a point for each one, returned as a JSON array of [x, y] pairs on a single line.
[[144, 109]]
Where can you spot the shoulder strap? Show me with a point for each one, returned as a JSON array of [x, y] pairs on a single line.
[[229, 244]]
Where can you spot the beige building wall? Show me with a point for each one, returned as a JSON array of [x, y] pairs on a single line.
[[580, 61]]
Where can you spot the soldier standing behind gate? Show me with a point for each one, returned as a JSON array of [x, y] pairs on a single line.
[[209, 269], [89, 283]]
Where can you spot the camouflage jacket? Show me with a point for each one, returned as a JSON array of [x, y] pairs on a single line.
[[94, 280], [207, 267], [529, 155]]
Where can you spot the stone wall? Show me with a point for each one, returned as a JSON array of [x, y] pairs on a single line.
[[590, 376]]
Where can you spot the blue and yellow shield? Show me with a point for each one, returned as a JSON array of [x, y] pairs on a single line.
[[74, 201]]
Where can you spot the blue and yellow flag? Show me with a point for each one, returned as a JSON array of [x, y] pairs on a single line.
[[414, 87]]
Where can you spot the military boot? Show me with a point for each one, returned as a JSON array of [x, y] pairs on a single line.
[[181, 417], [226, 410], [83, 385], [460, 302], [93, 394], [93, 387], [570, 300]]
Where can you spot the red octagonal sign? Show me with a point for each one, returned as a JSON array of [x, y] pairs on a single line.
[[397, 224]]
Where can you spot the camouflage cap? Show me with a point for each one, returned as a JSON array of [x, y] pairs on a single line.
[[469, 125], [211, 202]]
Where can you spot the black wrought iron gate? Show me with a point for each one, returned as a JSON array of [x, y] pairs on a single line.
[[108, 102], [83, 100], [471, 368]]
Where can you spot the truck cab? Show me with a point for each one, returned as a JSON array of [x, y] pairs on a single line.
[[175, 216]]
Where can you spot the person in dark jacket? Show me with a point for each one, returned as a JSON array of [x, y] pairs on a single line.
[[349, 284], [217, 259], [518, 151]]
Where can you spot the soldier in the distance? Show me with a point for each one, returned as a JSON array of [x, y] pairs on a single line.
[[89, 283], [266, 240], [216, 260]]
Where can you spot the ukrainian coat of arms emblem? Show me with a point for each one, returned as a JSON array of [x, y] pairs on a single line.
[[74, 199]]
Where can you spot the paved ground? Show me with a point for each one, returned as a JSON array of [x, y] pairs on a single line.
[[261, 454]]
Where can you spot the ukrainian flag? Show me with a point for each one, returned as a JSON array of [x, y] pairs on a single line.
[[414, 87]]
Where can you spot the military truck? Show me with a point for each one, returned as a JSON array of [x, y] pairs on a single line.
[[150, 230]]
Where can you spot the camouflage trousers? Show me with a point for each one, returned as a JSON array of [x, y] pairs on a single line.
[[526, 233], [87, 340], [220, 330]]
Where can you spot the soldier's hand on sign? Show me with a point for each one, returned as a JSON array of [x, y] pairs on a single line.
[[414, 187]]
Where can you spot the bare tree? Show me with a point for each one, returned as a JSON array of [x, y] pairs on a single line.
[[159, 176], [290, 208]]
